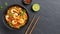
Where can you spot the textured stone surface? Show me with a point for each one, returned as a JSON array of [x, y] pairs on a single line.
[[48, 24]]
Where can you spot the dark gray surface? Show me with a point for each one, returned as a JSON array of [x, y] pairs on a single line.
[[48, 24]]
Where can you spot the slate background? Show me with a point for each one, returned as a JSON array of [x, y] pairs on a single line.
[[48, 24]]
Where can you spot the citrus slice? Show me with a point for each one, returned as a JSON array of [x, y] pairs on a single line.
[[36, 7]]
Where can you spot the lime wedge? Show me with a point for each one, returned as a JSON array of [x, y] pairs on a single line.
[[36, 7]]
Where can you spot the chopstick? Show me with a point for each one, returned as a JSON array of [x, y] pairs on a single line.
[[30, 24], [34, 25]]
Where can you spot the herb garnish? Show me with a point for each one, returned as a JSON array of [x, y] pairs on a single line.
[[11, 14], [1, 7], [6, 4], [23, 11]]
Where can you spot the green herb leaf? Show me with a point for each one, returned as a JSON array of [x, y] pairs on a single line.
[[23, 11], [6, 4], [11, 24], [1, 7], [11, 14]]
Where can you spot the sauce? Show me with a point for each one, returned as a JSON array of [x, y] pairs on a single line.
[[27, 1]]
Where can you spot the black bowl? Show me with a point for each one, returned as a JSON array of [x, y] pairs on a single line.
[[4, 20]]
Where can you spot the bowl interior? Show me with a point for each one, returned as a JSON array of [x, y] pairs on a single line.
[[5, 22]]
